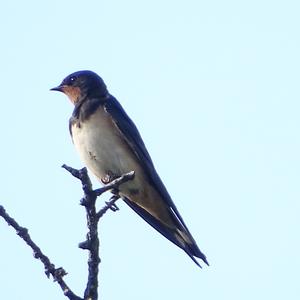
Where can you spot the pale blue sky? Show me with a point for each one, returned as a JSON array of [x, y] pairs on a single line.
[[214, 89]]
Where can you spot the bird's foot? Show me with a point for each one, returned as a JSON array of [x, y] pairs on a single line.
[[109, 177]]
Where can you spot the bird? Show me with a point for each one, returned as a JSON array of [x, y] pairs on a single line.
[[110, 145]]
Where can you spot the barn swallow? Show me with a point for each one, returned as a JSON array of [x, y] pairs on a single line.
[[110, 145]]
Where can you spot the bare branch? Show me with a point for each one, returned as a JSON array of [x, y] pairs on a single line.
[[92, 242], [57, 274]]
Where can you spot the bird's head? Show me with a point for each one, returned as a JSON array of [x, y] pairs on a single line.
[[82, 84]]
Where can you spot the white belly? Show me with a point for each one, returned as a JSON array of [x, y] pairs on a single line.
[[101, 147]]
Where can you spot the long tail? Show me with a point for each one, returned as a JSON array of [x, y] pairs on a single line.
[[180, 237]]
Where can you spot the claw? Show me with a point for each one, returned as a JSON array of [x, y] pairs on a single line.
[[109, 177]]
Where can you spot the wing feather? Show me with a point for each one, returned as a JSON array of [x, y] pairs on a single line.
[[133, 138]]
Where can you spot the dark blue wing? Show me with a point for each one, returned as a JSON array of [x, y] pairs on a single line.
[[134, 140]]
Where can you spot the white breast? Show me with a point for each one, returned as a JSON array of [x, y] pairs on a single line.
[[101, 147]]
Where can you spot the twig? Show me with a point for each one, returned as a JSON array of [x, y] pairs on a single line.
[[57, 274], [111, 204]]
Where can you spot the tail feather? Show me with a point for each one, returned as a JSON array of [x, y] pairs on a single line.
[[180, 237], [190, 247]]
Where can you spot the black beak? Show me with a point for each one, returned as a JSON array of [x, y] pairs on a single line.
[[57, 88]]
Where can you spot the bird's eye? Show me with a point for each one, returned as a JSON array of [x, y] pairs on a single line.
[[73, 79]]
